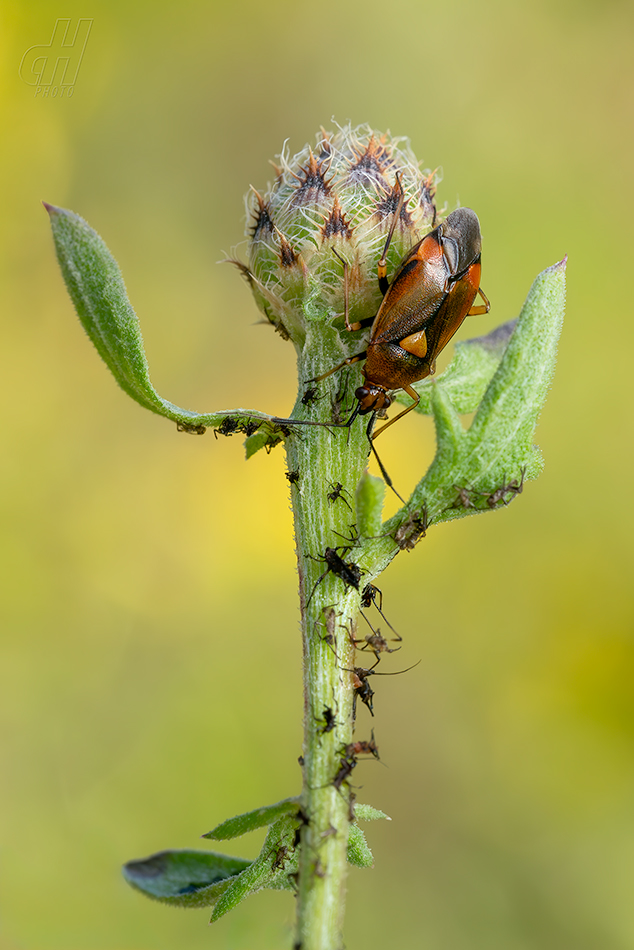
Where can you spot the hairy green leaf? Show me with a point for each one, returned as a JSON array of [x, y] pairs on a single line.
[[184, 878], [251, 820], [273, 868], [96, 287], [484, 467], [359, 853], [368, 813]]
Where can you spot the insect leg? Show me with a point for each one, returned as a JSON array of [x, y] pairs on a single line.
[[347, 362], [346, 299], [410, 392], [317, 583], [384, 473], [382, 264], [480, 309]]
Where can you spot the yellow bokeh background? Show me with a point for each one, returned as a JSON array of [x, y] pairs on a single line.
[[150, 680]]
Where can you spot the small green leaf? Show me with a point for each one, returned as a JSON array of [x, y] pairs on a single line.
[[273, 868], [359, 853], [368, 813], [251, 820], [184, 878], [205, 878], [466, 378], [484, 467], [96, 287], [255, 442]]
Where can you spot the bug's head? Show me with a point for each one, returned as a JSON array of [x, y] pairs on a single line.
[[372, 399]]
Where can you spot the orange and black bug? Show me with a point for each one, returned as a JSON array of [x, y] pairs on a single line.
[[429, 297], [431, 293]]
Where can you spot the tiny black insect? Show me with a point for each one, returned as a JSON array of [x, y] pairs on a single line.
[[369, 596], [363, 690], [409, 533], [190, 429], [464, 497], [228, 426], [377, 643], [348, 571], [351, 800], [363, 748], [509, 488], [293, 477], [329, 636], [337, 489], [250, 427], [346, 764], [281, 857], [310, 396], [328, 718]]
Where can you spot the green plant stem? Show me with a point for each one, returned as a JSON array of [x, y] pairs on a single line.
[[330, 609]]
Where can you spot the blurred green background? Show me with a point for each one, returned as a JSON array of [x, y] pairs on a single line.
[[150, 680]]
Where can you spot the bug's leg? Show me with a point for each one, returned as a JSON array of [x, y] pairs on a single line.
[[317, 583], [410, 392], [346, 299], [386, 477], [382, 264], [347, 362], [480, 309], [379, 607]]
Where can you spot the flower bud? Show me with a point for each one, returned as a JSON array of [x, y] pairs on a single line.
[[340, 196]]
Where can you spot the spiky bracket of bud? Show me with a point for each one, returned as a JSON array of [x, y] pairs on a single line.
[[340, 196]]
